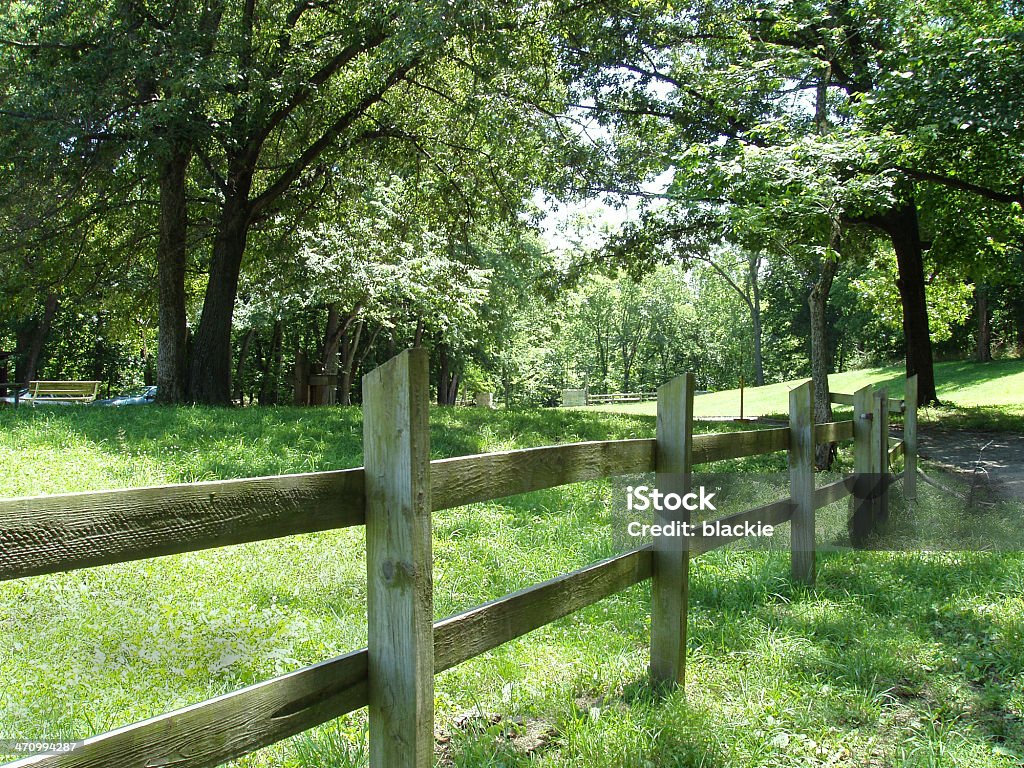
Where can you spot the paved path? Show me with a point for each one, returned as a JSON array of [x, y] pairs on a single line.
[[995, 458]]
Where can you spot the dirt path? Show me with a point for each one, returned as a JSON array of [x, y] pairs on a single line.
[[994, 459]]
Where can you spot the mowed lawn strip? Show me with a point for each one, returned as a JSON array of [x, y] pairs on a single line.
[[973, 395]]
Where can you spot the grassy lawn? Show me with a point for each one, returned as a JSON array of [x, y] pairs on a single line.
[[909, 659], [974, 395]]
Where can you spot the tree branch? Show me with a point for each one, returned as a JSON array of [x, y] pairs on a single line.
[[314, 150], [319, 78], [964, 186]]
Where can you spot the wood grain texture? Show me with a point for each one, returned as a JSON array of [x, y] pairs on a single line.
[[879, 430], [399, 562], [671, 575], [46, 534], [897, 450], [862, 424], [215, 731], [736, 445], [801, 482], [470, 479], [775, 513], [832, 492], [880, 453], [229, 726], [910, 439], [840, 398], [894, 406], [833, 432], [860, 522], [469, 634]]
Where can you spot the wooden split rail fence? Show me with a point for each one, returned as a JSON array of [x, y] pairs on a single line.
[[394, 496], [621, 397]]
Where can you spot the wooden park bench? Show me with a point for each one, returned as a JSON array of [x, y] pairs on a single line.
[[63, 391]]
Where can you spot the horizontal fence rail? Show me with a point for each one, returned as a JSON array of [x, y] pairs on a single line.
[[621, 397], [66, 532], [483, 477], [242, 721], [775, 513], [737, 445], [48, 534], [839, 398]]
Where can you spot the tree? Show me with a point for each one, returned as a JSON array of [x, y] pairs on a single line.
[[239, 110], [734, 77]]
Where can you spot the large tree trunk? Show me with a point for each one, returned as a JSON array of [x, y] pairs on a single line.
[[28, 363], [170, 260], [447, 379], [900, 223], [210, 369], [903, 228], [820, 363], [983, 340]]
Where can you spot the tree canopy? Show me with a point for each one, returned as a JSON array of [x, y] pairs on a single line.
[[248, 192]]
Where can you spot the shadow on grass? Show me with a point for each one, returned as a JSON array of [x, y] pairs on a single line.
[[935, 633]]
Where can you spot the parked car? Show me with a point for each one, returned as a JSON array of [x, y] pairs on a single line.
[[142, 396], [24, 398]]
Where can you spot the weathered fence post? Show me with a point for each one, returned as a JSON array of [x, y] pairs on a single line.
[[801, 482], [862, 421], [861, 512], [399, 600], [880, 456], [670, 582], [910, 439]]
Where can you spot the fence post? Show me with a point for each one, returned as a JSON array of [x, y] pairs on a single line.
[[801, 482], [399, 600], [861, 513], [910, 439], [880, 455], [670, 582]]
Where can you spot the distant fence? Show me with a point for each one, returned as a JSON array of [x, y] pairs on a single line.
[[621, 397], [578, 397], [394, 496]]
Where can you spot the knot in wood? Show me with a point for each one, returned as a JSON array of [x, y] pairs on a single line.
[[398, 572]]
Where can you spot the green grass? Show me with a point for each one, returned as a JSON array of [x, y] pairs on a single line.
[[974, 395], [908, 659]]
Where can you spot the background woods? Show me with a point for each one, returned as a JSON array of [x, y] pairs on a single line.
[[236, 195]]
